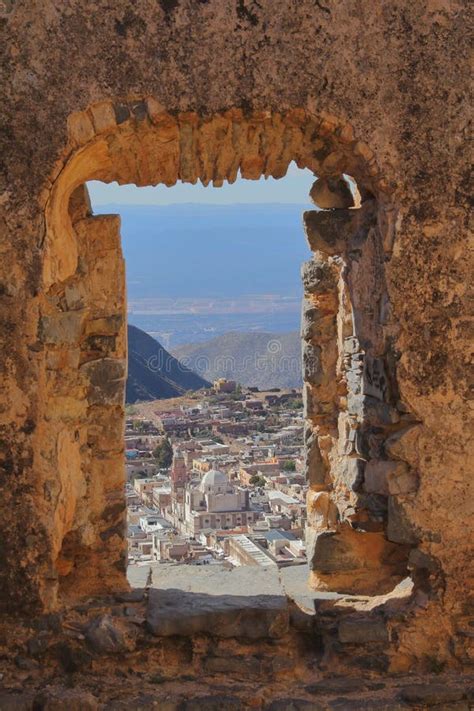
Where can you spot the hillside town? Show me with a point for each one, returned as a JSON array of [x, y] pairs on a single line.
[[217, 478]]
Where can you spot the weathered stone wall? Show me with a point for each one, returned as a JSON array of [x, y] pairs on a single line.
[[141, 142], [375, 90], [359, 539]]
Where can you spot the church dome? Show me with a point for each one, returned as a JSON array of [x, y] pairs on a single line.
[[213, 479]]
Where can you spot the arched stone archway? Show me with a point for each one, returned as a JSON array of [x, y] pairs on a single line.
[[349, 367]]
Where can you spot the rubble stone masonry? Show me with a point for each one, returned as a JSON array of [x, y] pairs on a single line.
[[159, 91]]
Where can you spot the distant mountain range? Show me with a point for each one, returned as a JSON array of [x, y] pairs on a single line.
[[264, 360], [153, 373]]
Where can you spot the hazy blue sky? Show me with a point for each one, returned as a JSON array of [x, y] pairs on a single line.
[[293, 188]]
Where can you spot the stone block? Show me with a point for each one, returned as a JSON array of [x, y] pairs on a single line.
[[374, 381], [331, 193], [371, 442], [322, 511], [107, 326], [241, 665], [418, 560], [351, 443], [376, 476], [328, 552], [26, 664], [101, 346], [174, 612], [318, 276], [356, 361], [80, 128], [404, 443], [350, 471], [375, 661], [312, 407], [137, 595], [354, 380], [372, 411], [122, 112], [402, 480], [324, 324], [334, 163], [107, 381], [362, 631], [101, 233], [244, 602], [433, 694], [155, 110], [104, 637], [75, 297], [103, 116], [376, 506], [338, 685], [362, 149], [308, 315], [312, 367], [351, 345], [328, 232], [334, 232], [105, 431], [63, 328], [399, 527], [315, 468], [352, 561]]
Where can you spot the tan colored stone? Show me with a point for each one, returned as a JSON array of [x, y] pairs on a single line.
[[362, 149], [404, 289], [328, 125], [376, 476], [404, 444], [103, 116], [402, 480], [347, 133], [104, 326], [331, 193], [350, 561], [80, 128], [334, 163], [322, 512], [155, 109], [328, 232]]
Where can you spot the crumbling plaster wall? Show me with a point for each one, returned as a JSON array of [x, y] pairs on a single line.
[[396, 72]]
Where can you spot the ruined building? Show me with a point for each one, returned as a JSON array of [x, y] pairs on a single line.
[[164, 90]]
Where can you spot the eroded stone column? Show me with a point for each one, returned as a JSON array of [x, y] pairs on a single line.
[[84, 331], [358, 538]]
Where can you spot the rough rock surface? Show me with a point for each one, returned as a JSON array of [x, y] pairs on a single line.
[[245, 602], [156, 92]]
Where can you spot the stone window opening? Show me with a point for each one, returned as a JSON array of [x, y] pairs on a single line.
[[360, 539]]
